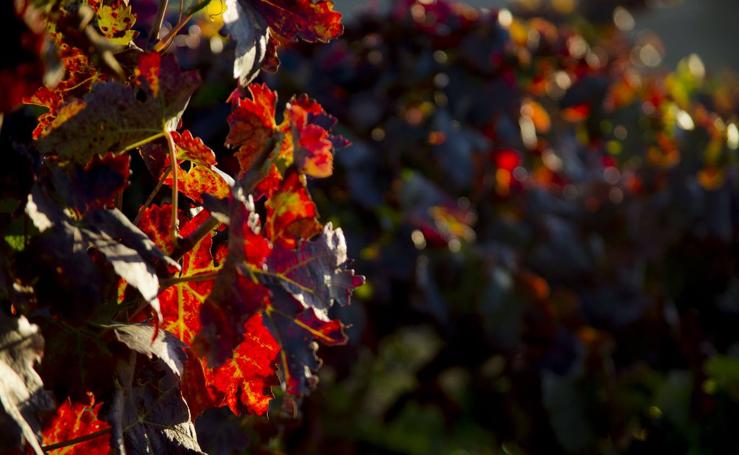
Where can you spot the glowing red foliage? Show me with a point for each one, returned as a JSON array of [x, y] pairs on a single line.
[[74, 420], [291, 213], [307, 20]]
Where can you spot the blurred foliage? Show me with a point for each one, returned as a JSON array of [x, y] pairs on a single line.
[[548, 223]]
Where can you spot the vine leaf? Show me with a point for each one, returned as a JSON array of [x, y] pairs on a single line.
[[316, 274], [202, 177], [115, 116], [251, 124], [74, 420], [249, 29], [242, 382], [291, 213], [116, 22], [67, 240], [21, 390], [289, 292], [79, 76], [294, 20], [236, 295], [149, 413], [314, 146], [193, 149], [296, 328], [307, 20], [260, 27], [201, 180], [180, 302], [303, 135]]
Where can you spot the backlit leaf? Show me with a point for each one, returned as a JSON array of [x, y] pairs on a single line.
[[79, 76], [244, 380], [114, 116], [291, 213], [74, 420], [116, 22], [307, 20], [251, 124], [304, 137], [235, 297], [315, 273]]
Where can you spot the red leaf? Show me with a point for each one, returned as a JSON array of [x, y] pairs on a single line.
[[79, 76], [251, 124], [180, 303], [73, 420], [200, 180], [302, 137], [235, 297], [306, 20], [193, 149], [291, 213], [244, 381], [203, 177], [156, 222]]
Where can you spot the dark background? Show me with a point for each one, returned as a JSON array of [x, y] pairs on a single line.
[[706, 27]]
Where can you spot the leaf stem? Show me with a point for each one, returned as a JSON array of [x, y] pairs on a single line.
[[164, 43], [158, 21], [181, 10], [138, 144], [74, 441], [186, 244], [152, 195], [175, 186]]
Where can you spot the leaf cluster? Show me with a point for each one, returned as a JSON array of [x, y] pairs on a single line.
[[189, 301]]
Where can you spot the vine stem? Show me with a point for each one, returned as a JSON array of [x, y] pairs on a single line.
[[175, 186], [74, 441]]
